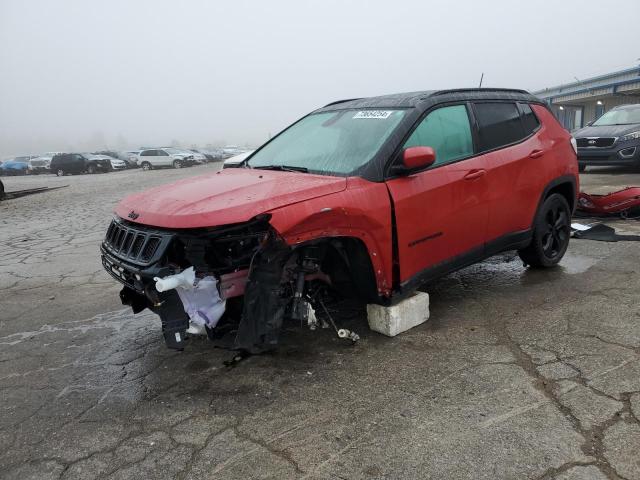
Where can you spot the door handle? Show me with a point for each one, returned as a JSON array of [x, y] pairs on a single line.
[[474, 174], [536, 153]]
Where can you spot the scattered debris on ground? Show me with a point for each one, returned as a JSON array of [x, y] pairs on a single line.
[[601, 232], [22, 193], [624, 203]]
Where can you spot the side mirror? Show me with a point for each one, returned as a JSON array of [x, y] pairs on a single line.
[[413, 159]]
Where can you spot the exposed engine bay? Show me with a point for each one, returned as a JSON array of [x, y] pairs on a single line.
[[261, 281]]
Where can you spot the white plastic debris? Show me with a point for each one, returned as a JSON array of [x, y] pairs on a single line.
[[184, 279], [196, 329], [200, 298], [391, 321], [202, 302], [580, 227]]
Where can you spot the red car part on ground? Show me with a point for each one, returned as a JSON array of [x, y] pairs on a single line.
[[615, 203]]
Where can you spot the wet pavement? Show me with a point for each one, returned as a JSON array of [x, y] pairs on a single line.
[[518, 374]]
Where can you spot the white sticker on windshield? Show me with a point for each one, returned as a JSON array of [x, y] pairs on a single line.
[[373, 114]]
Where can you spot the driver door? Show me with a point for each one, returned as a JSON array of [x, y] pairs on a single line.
[[442, 212]]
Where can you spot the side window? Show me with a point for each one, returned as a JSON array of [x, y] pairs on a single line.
[[447, 131], [499, 124], [529, 120], [145, 153], [161, 153]]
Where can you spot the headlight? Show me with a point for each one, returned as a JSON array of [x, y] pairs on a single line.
[[630, 136]]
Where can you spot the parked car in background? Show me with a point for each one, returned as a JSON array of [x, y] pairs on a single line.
[[613, 139], [236, 161], [196, 157], [215, 154], [108, 153], [369, 198], [75, 163], [115, 163], [164, 157], [232, 150], [40, 164], [17, 165], [130, 157], [206, 156]]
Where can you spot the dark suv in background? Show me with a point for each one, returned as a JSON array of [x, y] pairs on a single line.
[[613, 139], [66, 163]]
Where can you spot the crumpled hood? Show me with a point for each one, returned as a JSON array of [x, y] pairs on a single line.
[[229, 196], [606, 131]]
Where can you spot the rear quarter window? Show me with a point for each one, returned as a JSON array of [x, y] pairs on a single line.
[[499, 124], [530, 122]]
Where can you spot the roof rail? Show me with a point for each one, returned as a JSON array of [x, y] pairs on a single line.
[[341, 101], [464, 90]]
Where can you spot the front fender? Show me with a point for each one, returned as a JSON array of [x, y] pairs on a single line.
[[362, 211]]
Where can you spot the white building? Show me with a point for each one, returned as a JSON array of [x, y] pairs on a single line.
[[581, 102]]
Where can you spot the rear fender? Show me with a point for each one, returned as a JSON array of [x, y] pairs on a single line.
[[361, 211]]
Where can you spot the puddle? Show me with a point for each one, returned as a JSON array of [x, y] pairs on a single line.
[[573, 264]]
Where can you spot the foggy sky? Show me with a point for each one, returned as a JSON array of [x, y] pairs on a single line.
[[93, 74]]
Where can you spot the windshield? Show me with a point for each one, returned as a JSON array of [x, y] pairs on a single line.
[[330, 142], [621, 116]]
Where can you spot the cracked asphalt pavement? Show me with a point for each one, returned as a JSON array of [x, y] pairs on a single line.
[[519, 374]]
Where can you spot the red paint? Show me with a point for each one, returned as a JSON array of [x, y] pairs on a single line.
[[516, 178], [233, 284], [418, 157], [440, 213], [362, 211], [232, 196], [610, 204]]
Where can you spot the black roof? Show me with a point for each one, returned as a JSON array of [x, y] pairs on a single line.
[[430, 97]]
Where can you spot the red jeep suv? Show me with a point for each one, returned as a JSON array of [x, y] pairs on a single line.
[[368, 197]]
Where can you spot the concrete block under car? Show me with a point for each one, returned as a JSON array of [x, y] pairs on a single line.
[[391, 321]]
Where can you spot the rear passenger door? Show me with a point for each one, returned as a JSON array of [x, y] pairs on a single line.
[[441, 213], [163, 158], [512, 152], [77, 163]]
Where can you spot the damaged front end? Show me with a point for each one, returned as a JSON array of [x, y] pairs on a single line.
[[258, 279]]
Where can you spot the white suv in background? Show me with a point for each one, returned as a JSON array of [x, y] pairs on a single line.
[[164, 157]]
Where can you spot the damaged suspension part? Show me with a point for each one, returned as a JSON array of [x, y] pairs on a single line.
[[305, 304]]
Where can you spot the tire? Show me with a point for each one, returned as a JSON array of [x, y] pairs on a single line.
[[91, 169], [582, 168], [60, 172], [177, 164], [551, 233], [145, 166]]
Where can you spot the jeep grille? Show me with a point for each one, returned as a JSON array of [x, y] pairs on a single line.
[[136, 244]]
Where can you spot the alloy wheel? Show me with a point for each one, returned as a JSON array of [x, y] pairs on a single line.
[[556, 234]]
